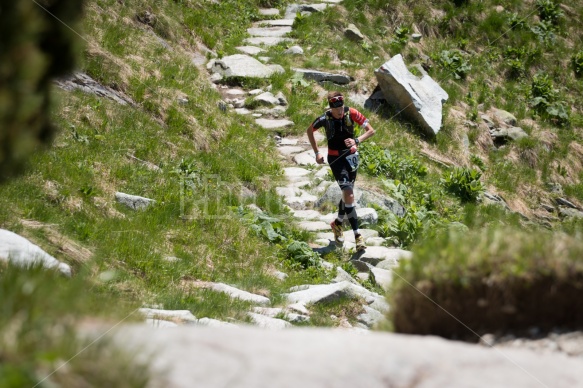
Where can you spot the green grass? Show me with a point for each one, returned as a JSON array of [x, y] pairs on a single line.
[[41, 312], [504, 275], [71, 187]]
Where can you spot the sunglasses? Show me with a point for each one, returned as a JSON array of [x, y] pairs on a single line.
[[336, 102]]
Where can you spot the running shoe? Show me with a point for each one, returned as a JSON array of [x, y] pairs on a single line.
[[359, 243], [338, 234]]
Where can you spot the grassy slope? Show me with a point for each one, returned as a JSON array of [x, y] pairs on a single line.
[[70, 188]]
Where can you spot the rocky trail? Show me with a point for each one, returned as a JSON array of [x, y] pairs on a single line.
[[200, 351]]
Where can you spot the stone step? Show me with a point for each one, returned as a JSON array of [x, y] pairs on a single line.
[[266, 40], [274, 23], [250, 50], [269, 32], [274, 123]]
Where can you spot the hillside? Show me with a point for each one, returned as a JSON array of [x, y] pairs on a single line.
[[492, 204]]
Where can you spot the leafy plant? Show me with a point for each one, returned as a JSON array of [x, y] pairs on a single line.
[[401, 37], [454, 62], [577, 61], [407, 228], [381, 162], [545, 31], [517, 22], [549, 11], [516, 68], [475, 159], [300, 252], [464, 183], [544, 100]]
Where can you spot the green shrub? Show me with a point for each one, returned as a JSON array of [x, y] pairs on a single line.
[[401, 38], [545, 31], [464, 183], [408, 228], [300, 252], [381, 162], [577, 61], [545, 100], [549, 11], [517, 22], [453, 62]]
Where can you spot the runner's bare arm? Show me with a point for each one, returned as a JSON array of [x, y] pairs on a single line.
[[312, 139]]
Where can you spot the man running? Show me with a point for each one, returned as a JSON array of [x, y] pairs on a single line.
[[338, 121]]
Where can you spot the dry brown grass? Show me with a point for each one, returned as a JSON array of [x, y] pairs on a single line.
[[73, 251]]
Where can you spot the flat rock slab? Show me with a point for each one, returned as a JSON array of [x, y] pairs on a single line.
[[274, 123], [266, 41], [21, 252], [289, 150], [392, 257], [243, 111], [240, 65], [250, 50], [134, 202], [301, 202], [295, 172], [251, 357], [276, 32], [269, 11], [375, 255], [288, 191], [383, 277], [307, 215], [176, 316], [274, 23], [349, 235], [288, 142], [328, 292], [321, 76], [375, 241], [239, 294], [293, 9], [268, 322], [313, 226]]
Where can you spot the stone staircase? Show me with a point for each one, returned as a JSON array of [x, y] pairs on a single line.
[[305, 187]]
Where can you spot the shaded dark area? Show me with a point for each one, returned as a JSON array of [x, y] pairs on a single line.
[[518, 305], [38, 43]]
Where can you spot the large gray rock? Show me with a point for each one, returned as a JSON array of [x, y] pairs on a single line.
[[89, 85], [19, 251], [504, 117], [507, 134], [268, 322], [418, 99], [353, 33], [329, 292], [251, 357], [321, 76], [240, 65], [133, 201], [363, 198]]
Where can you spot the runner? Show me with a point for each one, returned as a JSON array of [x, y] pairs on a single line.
[[338, 122]]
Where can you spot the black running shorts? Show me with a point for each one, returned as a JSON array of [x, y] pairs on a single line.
[[342, 172]]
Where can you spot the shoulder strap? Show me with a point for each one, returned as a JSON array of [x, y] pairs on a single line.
[[347, 118]]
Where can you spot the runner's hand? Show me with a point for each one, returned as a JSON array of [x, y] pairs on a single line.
[[350, 142], [320, 159]]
